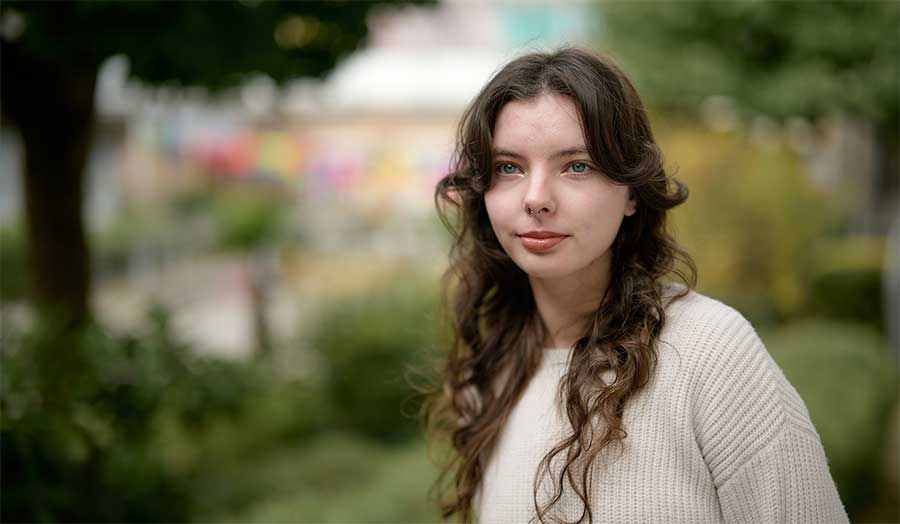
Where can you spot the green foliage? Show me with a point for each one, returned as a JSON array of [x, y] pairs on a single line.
[[79, 412], [228, 461], [847, 282], [210, 44], [777, 58], [751, 219], [850, 295], [247, 218], [376, 346], [13, 268], [849, 383], [334, 478], [165, 435]]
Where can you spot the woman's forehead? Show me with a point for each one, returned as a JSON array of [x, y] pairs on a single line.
[[547, 124]]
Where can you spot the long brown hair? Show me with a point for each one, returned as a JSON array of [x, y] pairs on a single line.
[[497, 335]]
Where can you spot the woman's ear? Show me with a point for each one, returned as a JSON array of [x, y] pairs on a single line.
[[631, 205]]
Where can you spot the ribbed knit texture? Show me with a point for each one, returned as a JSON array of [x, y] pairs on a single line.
[[717, 435]]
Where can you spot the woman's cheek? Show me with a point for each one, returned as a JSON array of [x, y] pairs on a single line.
[[496, 210]]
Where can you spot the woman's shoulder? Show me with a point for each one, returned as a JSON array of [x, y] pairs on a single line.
[[722, 355], [706, 331], [732, 377], [693, 316], [711, 337]]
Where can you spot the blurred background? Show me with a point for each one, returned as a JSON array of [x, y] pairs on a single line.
[[220, 260]]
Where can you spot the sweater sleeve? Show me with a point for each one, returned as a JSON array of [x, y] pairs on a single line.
[[764, 455], [786, 481]]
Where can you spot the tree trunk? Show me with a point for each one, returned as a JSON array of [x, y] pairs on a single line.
[[258, 279], [53, 109]]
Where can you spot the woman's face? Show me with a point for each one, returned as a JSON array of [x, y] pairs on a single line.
[[553, 212]]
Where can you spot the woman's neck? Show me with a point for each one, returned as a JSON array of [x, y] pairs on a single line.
[[566, 304]]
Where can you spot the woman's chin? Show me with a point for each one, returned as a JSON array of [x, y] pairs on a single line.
[[546, 269]]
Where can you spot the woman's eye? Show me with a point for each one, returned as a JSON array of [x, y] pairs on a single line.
[[580, 168], [507, 168]]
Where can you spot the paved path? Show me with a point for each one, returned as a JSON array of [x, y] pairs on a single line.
[[209, 299]]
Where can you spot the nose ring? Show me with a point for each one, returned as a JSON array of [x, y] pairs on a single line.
[[531, 211]]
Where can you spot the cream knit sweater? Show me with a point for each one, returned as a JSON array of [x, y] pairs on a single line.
[[718, 435]]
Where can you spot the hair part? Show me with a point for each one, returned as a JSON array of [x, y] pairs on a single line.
[[497, 335]]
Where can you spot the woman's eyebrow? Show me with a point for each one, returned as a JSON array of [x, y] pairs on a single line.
[[507, 152], [572, 151]]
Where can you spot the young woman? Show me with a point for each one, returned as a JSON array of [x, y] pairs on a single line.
[[583, 384]]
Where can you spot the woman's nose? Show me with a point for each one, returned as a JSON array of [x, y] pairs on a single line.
[[539, 198]]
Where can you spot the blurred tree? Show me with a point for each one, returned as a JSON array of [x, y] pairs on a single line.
[[249, 219], [51, 55], [813, 60], [778, 58]]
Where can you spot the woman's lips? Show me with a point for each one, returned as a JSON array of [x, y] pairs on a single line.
[[538, 241]]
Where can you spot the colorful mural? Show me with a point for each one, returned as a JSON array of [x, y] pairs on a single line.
[[363, 171]]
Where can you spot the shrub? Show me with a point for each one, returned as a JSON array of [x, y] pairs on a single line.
[[370, 345], [847, 281], [340, 478], [850, 295], [78, 417]]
